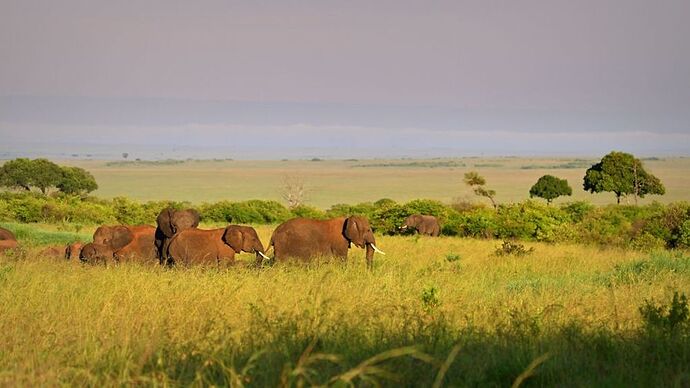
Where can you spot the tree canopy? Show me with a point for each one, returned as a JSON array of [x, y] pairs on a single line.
[[622, 174], [42, 174], [76, 180], [550, 187]]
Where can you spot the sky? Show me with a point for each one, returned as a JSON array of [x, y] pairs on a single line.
[[299, 78]]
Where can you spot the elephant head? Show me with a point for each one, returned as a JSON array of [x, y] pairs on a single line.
[[358, 231], [412, 221], [73, 250], [244, 239], [95, 253], [171, 221], [7, 235], [115, 237]]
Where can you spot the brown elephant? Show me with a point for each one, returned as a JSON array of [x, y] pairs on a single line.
[[128, 242], [7, 240], [422, 224], [303, 238], [214, 247], [95, 253], [169, 222], [72, 250], [53, 251]]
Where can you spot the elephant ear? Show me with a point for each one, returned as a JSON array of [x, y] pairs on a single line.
[[121, 237], [164, 222], [195, 216], [353, 232], [184, 219], [234, 238]]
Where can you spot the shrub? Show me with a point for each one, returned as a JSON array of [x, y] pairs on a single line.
[[512, 248], [308, 212], [669, 319]]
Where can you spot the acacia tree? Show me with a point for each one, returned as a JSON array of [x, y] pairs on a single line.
[[76, 180], [46, 174], [622, 174], [549, 188], [43, 174], [17, 173], [477, 182]]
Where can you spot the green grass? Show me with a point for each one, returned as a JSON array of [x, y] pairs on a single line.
[[39, 235], [334, 181], [574, 310]]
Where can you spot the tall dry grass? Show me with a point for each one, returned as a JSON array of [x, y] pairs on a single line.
[[442, 311]]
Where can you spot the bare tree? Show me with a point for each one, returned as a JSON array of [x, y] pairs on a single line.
[[293, 191], [477, 182]]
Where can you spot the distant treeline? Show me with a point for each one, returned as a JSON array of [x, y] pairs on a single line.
[[645, 227]]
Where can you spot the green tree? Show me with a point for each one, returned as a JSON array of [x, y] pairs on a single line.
[[622, 174], [76, 180], [550, 187], [17, 173], [477, 182], [45, 174]]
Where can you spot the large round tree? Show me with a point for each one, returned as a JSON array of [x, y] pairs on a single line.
[[622, 174], [550, 187], [76, 180]]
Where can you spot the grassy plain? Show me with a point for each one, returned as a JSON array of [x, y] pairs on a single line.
[[441, 310], [351, 181]]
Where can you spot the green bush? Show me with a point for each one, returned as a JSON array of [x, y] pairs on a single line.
[[646, 227], [246, 212], [308, 212]]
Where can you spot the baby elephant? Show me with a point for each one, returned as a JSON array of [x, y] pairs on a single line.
[[214, 247], [94, 253], [422, 224], [7, 240], [73, 250]]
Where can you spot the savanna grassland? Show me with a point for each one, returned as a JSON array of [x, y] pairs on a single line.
[[329, 182], [445, 311]]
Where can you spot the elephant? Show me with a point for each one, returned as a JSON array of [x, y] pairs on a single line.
[[216, 246], [422, 224], [128, 242], [304, 238], [72, 250], [53, 251], [169, 222], [95, 253], [6, 235], [6, 245], [7, 240]]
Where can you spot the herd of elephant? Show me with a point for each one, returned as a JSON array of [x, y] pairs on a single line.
[[177, 240]]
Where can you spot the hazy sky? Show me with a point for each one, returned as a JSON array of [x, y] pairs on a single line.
[[474, 76]]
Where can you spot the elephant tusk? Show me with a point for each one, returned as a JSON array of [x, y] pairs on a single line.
[[377, 250], [264, 256]]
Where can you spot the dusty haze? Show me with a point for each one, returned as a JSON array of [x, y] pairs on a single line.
[[273, 79]]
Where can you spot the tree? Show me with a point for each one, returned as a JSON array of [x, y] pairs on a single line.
[[76, 180], [477, 182], [550, 187], [25, 174], [293, 191], [125, 155], [46, 174], [622, 174], [43, 174], [17, 173]]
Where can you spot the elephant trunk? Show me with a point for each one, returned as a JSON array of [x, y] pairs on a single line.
[[370, 256]]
